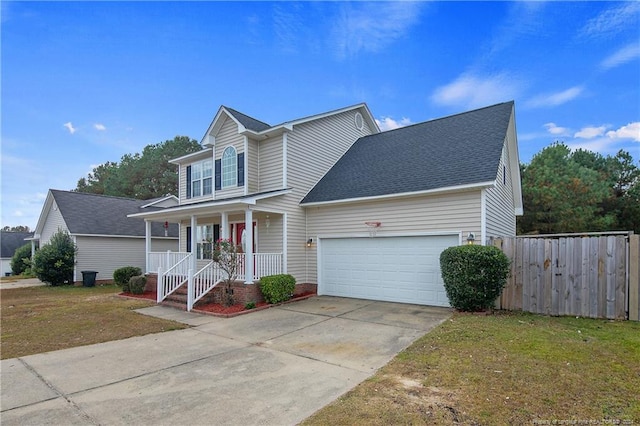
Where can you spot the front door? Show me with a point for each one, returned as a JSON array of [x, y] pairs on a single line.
[[237, 231]]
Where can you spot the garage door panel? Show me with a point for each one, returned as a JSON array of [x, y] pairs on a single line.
[[400, 269]]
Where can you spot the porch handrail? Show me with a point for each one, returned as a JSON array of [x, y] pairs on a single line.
[[165, 259], [203, 282], [174, 277], [266, 264]]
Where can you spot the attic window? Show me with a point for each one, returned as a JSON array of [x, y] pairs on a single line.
[[229, 167], [359, 122]]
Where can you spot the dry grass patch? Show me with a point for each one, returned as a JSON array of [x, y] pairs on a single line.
[[42, 319], [503, 369]]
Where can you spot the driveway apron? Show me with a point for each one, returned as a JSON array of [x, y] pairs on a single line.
[[272, 367]]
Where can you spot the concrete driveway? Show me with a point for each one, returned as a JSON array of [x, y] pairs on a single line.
[[273, 367]]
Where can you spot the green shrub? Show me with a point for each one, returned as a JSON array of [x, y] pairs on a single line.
[[250, 305], [21, 260], [277, 288], [54, 262], [121, 276], [137, 284], [474, 276]]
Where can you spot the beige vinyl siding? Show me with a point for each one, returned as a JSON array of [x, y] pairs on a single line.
[[271, 165], [106, 254], [228, 136], [253, 167], [52, 224], [500, 211], [312, 148], [455, 212]]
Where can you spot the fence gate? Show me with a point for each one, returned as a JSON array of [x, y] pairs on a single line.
[[585, 276]]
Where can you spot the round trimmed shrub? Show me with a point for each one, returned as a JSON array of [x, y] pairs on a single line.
[[121, 276], [54, 262], [137, 284], [21, 259], [277, 288], [474, 276]]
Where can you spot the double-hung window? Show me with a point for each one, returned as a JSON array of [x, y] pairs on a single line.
[[229, 167], [200, 176], [206, 236]]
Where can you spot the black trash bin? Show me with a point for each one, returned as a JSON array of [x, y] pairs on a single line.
[[89, 278]]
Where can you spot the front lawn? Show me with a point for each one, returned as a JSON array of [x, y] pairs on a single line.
[[504, 369], [42, 319]]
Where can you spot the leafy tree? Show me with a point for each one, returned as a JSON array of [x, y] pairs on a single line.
[[21, 260], [579, 191], [19, 228], [54, 262], [141, 175]]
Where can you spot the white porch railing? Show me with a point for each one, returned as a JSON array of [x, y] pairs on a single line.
[[165, 259], [263, 264], [174, 277], [203, 282]]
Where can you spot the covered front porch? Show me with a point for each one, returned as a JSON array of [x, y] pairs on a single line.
[[258, 233]]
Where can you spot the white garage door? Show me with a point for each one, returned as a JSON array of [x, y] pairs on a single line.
[[395, 269]]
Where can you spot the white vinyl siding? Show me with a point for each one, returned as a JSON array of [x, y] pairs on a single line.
[[500, 216], [228, 136], [253, 169], [52, 224], [106, 254], [436, 214], [271, 168]]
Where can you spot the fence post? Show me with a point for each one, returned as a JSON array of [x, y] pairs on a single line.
[[190, 291], [634, 277], [159, 285]]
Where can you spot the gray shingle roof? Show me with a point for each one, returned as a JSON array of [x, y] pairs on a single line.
[[249, 123], [104, 215], [457, 150], [11, 241]]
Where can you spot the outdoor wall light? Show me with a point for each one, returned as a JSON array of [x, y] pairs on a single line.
[[471, 238], [309, 242], [267, 222]]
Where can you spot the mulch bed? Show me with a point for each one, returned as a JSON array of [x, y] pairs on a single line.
[[218, 309]]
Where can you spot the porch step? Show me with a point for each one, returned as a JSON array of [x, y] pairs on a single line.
[[173, 304], [177, 299]]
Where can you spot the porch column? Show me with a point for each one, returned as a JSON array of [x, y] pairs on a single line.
[[147, 245], [224, 226], [194, 243], [248, 261]]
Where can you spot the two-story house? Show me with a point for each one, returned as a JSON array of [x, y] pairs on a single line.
[[340, 205]]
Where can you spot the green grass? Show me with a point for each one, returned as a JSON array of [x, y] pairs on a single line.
[[41, 319], [503, 369]]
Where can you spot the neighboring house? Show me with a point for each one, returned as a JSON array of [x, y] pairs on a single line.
[[10, 242], [105, 237], [307, 196]]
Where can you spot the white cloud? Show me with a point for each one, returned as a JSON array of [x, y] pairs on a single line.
[[100, 127], [70, 127], [556, 130], [622, 56], [371, 27], [473, 91], [613, 20], [590, 132], [388, 123], [630, 131], [555, 99]]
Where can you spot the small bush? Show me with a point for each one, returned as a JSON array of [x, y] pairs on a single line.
[[21, 260], [277, 288], [121, 276], [250, 305], [54, 262], [137, 284], [474, 276]]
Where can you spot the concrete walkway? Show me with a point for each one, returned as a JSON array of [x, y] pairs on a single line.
[[27, 282], [273, 367]]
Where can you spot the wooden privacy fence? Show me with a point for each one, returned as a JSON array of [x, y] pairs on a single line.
[[584, 276]]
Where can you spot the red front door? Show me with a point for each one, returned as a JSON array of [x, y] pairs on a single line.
[[236, 231]]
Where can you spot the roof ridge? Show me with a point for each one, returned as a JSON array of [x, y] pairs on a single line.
[[99, 195], [235, 111]]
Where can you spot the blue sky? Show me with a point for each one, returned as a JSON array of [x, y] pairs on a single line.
[[87, 82]]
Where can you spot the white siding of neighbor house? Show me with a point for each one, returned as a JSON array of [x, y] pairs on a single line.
[[5, 266], [271, 166], [446, 213], [228, 136], [312, 148], [106, 254], [53, 222], [500, 210]]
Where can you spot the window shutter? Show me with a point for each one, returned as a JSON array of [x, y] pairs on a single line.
[[241, 169], [188, 239], [218, 175], [216, 233], [188, 181]]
